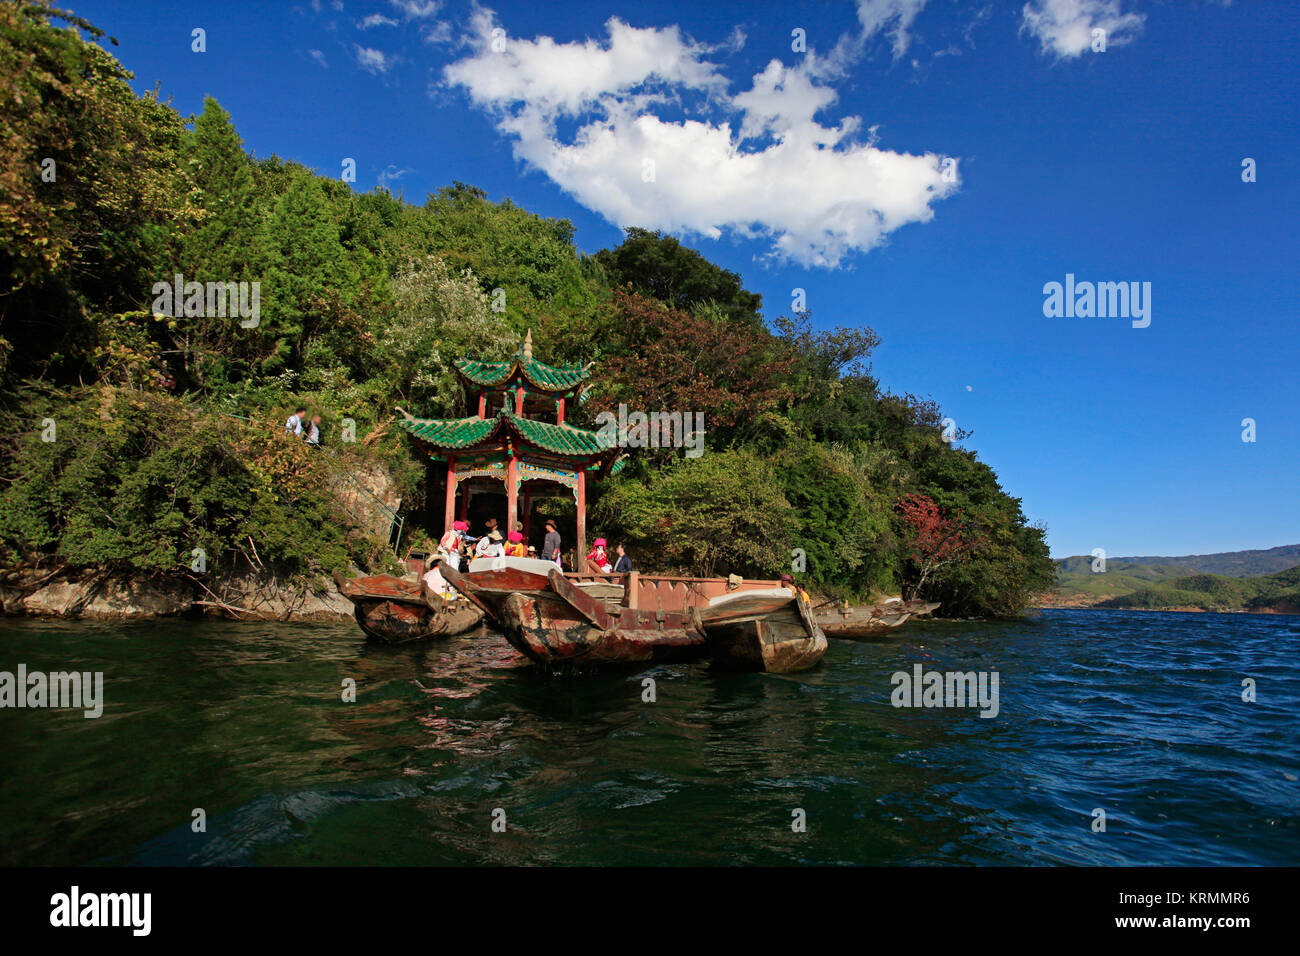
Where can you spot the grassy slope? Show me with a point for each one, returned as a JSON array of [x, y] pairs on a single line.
[[1217, 592], [1126, 576]]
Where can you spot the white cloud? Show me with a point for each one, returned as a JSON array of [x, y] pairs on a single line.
[[875, 15], [375, 61], [813, 190], [390, 174], [417, 9], [377, 20], [319, 57], [439, 32], [1064, 27]]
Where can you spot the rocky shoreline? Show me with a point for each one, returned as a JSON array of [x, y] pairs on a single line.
[[118, 598]]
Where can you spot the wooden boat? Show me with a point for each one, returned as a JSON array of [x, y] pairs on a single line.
[[871, 619], [395, 611], [769, 630], [553, 620]]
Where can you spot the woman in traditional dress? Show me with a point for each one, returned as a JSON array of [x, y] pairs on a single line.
[[516, 549], [450, 544], [598, 559]]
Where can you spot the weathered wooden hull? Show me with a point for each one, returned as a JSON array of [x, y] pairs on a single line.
[[869, 620], [762, 632], [552, 631], [551, 621], [394, 611]]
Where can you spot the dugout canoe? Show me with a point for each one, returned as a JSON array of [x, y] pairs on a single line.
[[396, 611], [869, 620], [769, 630]]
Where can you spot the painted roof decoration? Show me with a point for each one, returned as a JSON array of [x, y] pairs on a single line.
[[547, 378], [457, 433]]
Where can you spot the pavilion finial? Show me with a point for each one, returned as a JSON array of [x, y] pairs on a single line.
[[528, 345]]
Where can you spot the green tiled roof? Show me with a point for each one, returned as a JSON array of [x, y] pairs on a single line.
[[550, 378], [450, 432], [456, 433]]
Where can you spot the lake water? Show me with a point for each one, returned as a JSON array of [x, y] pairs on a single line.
[[1139, 715]]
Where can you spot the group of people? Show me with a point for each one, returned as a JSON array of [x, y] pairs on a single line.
[[599, 558], [457, 543], [300, 426]]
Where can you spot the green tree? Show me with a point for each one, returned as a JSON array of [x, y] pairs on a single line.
[[721, 513], [659, 266]]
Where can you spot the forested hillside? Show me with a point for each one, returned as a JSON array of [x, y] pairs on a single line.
[[131, 436], [1278, 592]]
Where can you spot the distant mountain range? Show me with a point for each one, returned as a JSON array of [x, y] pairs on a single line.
[[1232, 564], [1188, 581]]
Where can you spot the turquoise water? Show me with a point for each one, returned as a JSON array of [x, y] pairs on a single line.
[[1137, 714]]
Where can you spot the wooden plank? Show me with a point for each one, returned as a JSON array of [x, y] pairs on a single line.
[[590, 608]]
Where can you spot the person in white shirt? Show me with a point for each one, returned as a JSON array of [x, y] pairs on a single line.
[[489, 546], [294, 422], [435, 582]]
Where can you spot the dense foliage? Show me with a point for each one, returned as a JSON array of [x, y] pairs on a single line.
[[166, 421]]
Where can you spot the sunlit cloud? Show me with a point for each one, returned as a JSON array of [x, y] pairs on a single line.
[[759, 163]]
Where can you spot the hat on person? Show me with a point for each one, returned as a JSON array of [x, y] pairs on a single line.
[[460, 526], [532, 549], [787, 579], [600, 543], [550, 524], [516, 536], [495, 535]]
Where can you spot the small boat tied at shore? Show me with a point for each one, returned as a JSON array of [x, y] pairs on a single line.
[[770, 630], [870, 620], [396, 611]]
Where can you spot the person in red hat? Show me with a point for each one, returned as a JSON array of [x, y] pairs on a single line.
[[598, 559], [515, 547], [450, 544]]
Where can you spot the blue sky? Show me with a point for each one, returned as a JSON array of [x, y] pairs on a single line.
[[823, 170]]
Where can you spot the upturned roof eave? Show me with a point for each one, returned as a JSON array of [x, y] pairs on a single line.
[[505, 419], [519, 368]]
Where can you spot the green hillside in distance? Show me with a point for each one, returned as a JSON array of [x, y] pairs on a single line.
[[1272, 593], [1200, 577], [1233, 564]]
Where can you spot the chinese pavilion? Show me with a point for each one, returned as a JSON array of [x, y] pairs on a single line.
[[525, 444]]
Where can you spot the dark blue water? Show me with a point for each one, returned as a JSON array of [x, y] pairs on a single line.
[[1137, 714]]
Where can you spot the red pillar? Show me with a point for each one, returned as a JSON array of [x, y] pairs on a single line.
[[519, 400], [482, 404], [580, 556], [512, 493], [559, 412], [451, 493]]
